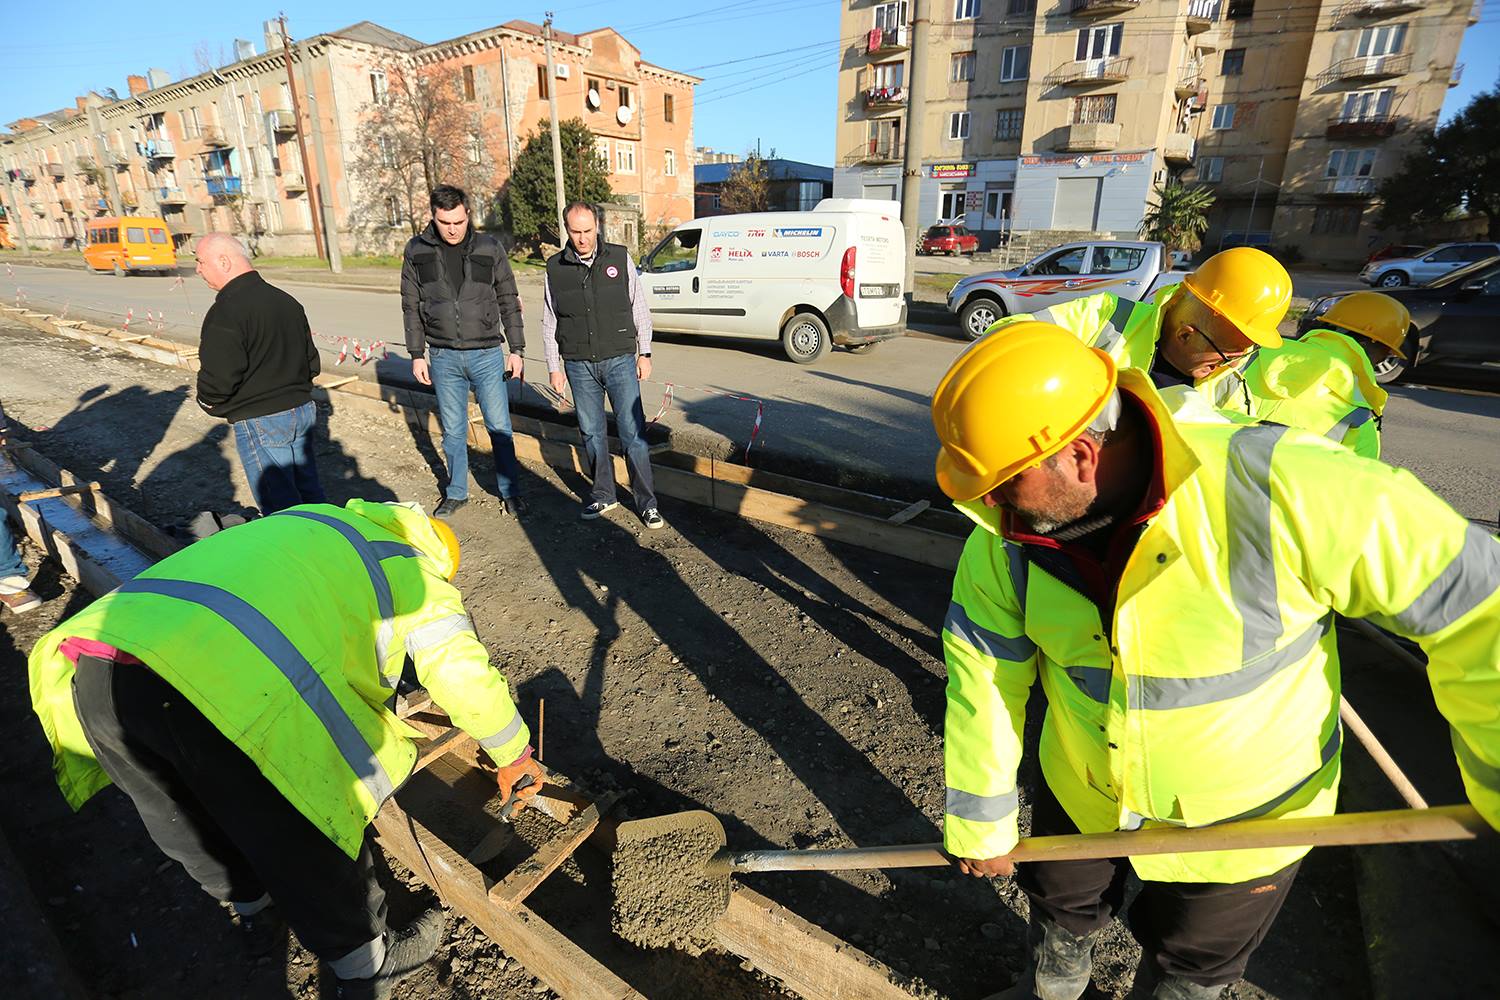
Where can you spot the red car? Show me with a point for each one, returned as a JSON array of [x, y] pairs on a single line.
[[949, 240], [1391, 250]]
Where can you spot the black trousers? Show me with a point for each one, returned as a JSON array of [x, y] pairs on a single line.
[[208, 807], [1202, 931]]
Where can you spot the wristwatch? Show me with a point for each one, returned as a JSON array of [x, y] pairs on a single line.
[[644, 354]]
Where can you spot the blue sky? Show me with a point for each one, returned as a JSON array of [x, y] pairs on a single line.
[[769, 66]]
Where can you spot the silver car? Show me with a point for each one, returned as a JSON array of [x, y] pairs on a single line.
[[1426, 266]]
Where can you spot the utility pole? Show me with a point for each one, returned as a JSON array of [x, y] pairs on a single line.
[[96, 132], [510, 137], [15, 213], [911, 161], [320, 154], [291, 82], [557, 164]]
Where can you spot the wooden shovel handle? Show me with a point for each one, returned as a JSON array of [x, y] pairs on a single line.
[[1394, 826]]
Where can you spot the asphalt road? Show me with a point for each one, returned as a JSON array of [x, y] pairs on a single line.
[[866, 413]]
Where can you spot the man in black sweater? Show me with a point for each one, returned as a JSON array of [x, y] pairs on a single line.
[[257, 363]]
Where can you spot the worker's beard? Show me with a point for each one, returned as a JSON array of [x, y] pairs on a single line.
[[1063, 505]]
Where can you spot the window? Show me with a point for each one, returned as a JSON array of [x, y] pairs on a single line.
[[1223, 118], [1211, 169], [965, 10], [625, 156], [392, 210], [468, 83], [476, 148], [602, 146], [1470, 252], [1094, 109], [135, 234], [666, 107], [961, 69], [890, 15], [1015, 63], [1008, 123], [1116, 260], [888, 75], [1364, 105], [953, 205], [379, 88], [1350, 163], [624, 97], [670, 166], [542, 92], [1239, 9], [997, 204], [1337, 220], [158, 235], [958, 125], [1023, 6], [1065, 261], [678, 252], [1234, 62], [387, 151], [1099, 42], [1382, 41]]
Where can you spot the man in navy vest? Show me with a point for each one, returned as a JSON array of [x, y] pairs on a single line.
[[596, 328]]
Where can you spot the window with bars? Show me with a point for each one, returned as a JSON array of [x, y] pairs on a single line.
[[1015, 63], [961, 69], [1095, 109], [1337, 220], [1008, 123]]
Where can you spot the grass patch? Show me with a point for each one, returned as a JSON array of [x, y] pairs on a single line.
[[942, 282], [380, 261]]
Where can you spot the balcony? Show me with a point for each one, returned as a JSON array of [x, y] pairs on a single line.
[[129, 199], [66, 204], [885, 98], [1347, 187], [1361, 126], [1370, 67], [1377, 8], [1202, 15], [213, 138], [25, 176], [1090, 72], [171, 196], [293, 183], [157, 149], [224, 186], [875, 152], [885, 41], [116, 159], [1090, 137], [1189, 80], [281, 120], [100, 205], [1180, 148], [54, 170], [1457, 76], [1102, 8]]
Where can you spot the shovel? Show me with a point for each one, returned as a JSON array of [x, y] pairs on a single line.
[[672, 873], [496, 840]]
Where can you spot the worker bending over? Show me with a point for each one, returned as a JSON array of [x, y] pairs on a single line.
[[238, 692], [1173, 586], [1201, 332]]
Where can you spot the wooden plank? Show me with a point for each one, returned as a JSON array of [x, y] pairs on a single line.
[[901, 517], [541, 948], [32, 496], [511, 891], [98, 506], [448, 742]]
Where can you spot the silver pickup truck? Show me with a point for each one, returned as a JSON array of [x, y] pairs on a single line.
[[1070, 271]]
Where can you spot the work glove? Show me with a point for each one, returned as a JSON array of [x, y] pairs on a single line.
[[519, 782]]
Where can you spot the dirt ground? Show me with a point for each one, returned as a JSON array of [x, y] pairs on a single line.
[[791, 686]]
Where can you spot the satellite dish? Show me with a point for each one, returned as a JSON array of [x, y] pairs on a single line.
[[594, 98], [623, 115]]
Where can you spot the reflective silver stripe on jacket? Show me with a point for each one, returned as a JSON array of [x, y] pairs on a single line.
[[981, 808], [1465, 583], [504, 736], [1482, 771], [390, 550], [1113, 331], [1252, 562], [276, 647], [1020, 568], [1185, 692], [1357, 417], [987, 642], [385, 631], [435, 633]]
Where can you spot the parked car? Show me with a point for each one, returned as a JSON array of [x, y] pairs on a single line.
[[949, 240], [834, 275], [1393, 250], [1421, 268], [1453, 322], [1134, 270]]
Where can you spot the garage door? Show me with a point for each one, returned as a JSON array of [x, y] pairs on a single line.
[[1077, 203], [880, 192]]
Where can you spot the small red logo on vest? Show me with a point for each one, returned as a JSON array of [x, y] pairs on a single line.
[[612, 271]]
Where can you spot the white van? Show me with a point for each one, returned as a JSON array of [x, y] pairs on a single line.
[[830, 276]]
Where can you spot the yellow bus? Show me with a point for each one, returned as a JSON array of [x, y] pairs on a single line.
[[126, 244]]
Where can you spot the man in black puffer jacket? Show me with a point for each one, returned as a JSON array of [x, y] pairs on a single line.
[[457, 292]]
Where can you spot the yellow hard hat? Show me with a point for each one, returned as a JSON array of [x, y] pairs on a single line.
[[1012, 400], [1373, 315], [449, 540], [1248, 287]]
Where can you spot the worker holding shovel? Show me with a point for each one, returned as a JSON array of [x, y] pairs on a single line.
[[1173, 587]]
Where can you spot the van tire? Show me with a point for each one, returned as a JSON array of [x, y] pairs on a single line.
[[119, 271], [805, 338]]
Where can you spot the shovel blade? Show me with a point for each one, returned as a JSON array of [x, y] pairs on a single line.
[[666, 893]]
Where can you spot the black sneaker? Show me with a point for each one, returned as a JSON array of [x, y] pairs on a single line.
[[406, 951], [653, 519], [263, 933], [448, 507], [597, 509], [516, 506]]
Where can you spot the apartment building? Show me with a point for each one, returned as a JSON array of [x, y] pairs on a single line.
[[220, 151], [1063, 118]]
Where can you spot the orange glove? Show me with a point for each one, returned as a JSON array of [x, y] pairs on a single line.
[[519, 782]]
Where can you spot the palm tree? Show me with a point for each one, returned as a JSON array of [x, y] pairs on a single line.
[[1180, 216]]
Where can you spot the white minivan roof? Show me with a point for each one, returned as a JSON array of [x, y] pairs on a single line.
[[872, 205]]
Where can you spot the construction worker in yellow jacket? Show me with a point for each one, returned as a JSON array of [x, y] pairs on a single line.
[[1201, 332], [1173, 586], [1325, 382], [239, 691]]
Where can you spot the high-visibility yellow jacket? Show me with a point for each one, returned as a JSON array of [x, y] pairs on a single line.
[[1211, 691], [1127, 331], [289, 634], [1323, 383]]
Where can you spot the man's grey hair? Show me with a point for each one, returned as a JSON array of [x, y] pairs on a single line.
[[221, 243]]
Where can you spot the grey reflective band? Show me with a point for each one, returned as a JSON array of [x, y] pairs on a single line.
[[436, 633], [1357, 417], [1329, 751], [1185, 692], [1019, 572], [390, 550], [1044, 316], [1481, 771], [259, 631], [1113, 331], [1472, 576], [504, 736], [987, 642], [981, 808], [1092, 681], [1252, 562]]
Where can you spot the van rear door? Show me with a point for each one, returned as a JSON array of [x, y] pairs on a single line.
[[879, 247], [672, 276]]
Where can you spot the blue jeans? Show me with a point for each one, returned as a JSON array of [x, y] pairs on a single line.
[[11, 563], [616, 376], [453, 374], [280, 457]]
